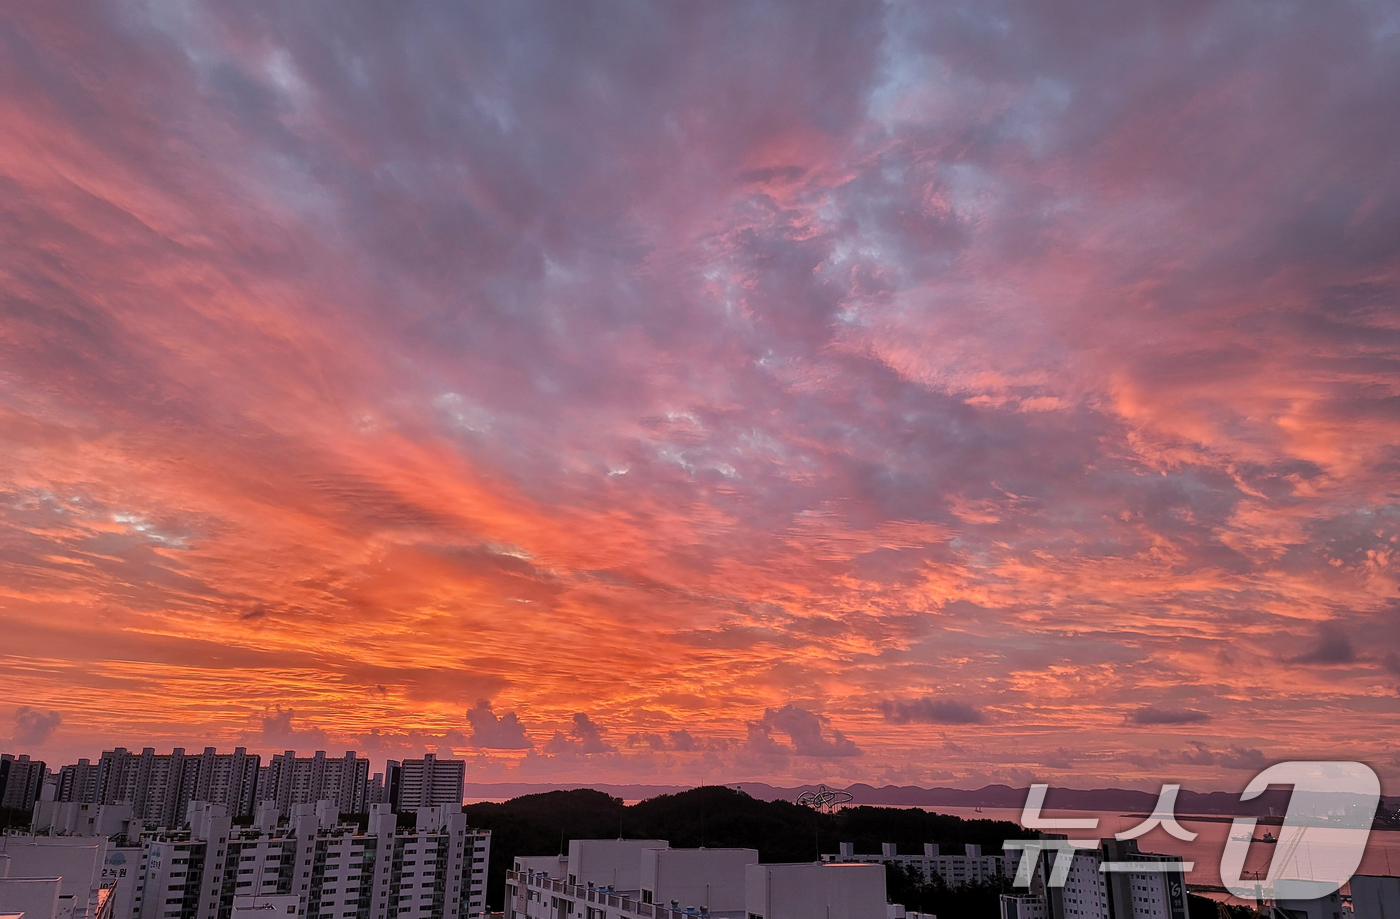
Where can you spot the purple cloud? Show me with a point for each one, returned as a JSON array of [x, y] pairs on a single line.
[[930, 711], [492, 732], [34, 727], [810, 734]]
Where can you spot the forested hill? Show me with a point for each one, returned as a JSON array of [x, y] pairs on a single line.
[[716, 816]]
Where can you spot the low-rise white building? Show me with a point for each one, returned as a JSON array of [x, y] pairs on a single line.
[[708, 879], [627, 878], [646, 878], [821, 889], [73, 818], [54, 877], [36, 898], [972, 867]]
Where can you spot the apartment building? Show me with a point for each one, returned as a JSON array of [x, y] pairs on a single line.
[[290, 780], [426, 782], [1113, 881], [159, 787], [77, 782], [21, 780], [326, 869], [629, 878], [972, 867]]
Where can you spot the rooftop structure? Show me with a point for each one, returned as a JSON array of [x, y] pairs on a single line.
[[621, 878]]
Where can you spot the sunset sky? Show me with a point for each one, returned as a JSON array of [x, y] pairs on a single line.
[[919, 393]]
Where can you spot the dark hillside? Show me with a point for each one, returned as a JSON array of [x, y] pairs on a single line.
[[714, 816]]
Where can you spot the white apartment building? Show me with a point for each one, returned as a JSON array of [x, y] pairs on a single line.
[[956, 870], [436, 871], [426, 782], [629, 878], [1100, 884]]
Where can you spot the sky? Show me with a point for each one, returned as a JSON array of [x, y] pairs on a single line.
[[914, 393]]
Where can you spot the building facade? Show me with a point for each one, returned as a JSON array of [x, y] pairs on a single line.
[[77, 782], [290, 780], [160, 787], [21, 780], [426, 782], [972, 867], [330, 870], [1112, 881]]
